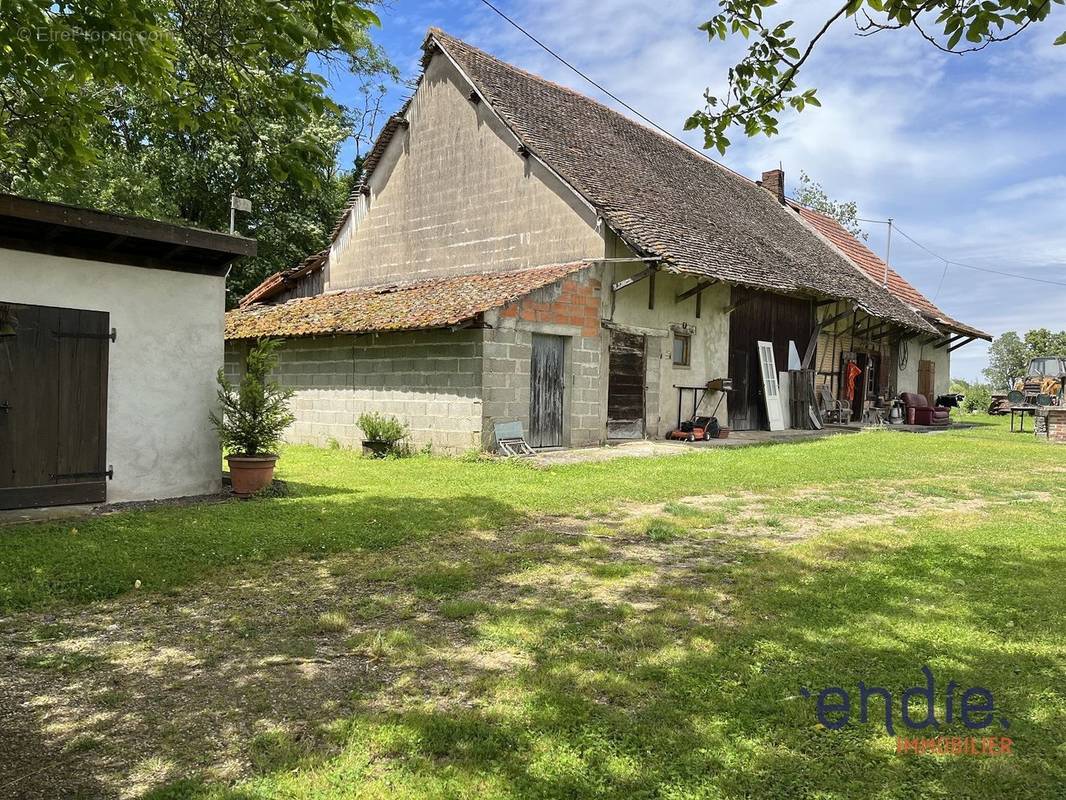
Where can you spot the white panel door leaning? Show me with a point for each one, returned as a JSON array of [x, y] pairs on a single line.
[[770, 388]]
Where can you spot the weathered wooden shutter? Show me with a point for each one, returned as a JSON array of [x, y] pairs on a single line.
[[53, 407], [625, 386]]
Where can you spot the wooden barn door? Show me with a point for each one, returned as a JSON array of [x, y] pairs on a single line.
[[927, 379], [625, 386], [53, 405], [768, 317], [546, 391], [743, 412]]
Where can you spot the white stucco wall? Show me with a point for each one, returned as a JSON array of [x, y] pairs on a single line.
[[907, 378], [709, 344], [161, 373]]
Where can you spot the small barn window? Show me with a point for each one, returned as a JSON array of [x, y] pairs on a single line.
[[682, 349]]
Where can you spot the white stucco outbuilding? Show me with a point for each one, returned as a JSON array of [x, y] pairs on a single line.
[[111, 335]]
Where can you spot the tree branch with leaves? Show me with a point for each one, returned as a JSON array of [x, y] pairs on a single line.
[[763, 84]]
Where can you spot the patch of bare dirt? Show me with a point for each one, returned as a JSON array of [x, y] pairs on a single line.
[[113, 699]]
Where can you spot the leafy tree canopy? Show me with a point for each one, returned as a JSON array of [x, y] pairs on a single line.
[[1007, 359], [1042, 342], [764, 82], [812, 195], [163, 108]]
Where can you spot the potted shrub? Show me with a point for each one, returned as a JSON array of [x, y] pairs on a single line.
[[382, 435], [254, 415]]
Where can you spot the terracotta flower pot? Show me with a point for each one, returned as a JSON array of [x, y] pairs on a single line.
[[250, 474]]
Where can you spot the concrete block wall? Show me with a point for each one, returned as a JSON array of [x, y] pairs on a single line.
[[430, 380], [452, 196], [505, 378], [569, 308], [587, 383]]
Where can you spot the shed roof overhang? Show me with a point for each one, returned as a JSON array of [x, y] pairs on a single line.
[[61, 230]]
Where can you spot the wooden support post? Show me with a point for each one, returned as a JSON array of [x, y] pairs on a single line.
[[858, 333], [651, 291], [699, 304], [812, 345]]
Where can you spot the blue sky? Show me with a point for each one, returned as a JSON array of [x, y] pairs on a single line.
[[966, 154]]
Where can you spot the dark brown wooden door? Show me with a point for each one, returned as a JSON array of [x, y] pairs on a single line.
[[546, 391], [766, 317], [625, 386], [53, 406], [927, 379], [743, 413]]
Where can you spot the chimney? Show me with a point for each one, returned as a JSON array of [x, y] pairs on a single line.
[[774, 182]]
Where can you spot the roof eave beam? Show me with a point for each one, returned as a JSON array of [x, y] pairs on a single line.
[[887, 332], [695, 290], [966, 341], [949, 341], [647, 272]]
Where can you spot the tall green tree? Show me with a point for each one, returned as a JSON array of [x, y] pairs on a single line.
[[763, 84], [811, 194], [1008, 357], [163, 109]]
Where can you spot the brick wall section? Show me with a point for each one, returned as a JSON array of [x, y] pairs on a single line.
[[431, 380], [1051, 425], [574, 301]]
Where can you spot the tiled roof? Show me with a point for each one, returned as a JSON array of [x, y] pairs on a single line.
[[388, 130], [279, 281], [422, 305], [867, 261], [664, 199]]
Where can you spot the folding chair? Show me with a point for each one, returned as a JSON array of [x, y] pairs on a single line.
[[511, 441]]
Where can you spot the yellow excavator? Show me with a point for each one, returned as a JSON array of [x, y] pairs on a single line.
[[1044, 384]]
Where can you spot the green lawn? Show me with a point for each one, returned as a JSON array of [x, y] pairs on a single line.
[[633, 628]]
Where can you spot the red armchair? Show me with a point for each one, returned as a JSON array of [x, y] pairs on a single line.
[[919, 412]]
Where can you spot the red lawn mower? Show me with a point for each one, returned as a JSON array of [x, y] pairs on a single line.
[[699, 428]]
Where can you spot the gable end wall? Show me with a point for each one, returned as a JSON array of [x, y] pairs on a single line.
[[452, 196]]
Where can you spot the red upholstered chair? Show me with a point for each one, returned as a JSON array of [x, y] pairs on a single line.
[[919, 412]]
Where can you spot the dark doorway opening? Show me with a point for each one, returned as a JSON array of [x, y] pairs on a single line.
[[767, 317], [625, 386]]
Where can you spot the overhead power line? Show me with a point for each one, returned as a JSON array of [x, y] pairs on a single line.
[[949, 262], [604, 89], [686, 145]]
